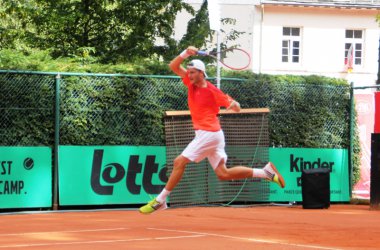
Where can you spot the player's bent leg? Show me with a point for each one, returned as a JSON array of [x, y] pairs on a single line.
[[179, 166], [235, 173]]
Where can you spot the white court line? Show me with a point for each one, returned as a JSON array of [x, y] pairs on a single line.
[[248, 239], [73, 231], [100, 241]]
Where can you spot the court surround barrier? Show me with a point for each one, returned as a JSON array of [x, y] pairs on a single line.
[[53, 110], [367, 100]]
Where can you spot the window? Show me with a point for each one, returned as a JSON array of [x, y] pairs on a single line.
[[291, 41], [353, 47]]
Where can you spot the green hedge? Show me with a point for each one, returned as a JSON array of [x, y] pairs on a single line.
[[27, 110], [115, 110], [306, 111]]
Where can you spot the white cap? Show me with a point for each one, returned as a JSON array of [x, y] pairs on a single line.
[[197, 64]]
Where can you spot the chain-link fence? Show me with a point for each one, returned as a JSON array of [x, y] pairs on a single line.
[[97, 109], [52, 109], [27, 109]]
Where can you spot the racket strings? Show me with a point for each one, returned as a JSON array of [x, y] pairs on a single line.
[[232, 58]]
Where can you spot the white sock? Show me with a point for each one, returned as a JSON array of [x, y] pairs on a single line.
[[267, 167], [162, 196], [259, 173]]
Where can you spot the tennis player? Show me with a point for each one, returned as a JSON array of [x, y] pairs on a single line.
[[204, 101]]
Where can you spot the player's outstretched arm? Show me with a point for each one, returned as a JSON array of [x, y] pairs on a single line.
[[175, 64]]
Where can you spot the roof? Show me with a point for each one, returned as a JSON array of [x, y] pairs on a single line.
[[354, 4]]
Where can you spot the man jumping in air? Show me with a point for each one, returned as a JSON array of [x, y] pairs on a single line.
[[204, 101]]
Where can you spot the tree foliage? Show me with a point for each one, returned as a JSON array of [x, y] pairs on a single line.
[[105, 31], [200, 35], [112, 30]]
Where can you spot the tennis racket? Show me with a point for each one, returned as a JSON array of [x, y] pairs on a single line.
[[232, 58]]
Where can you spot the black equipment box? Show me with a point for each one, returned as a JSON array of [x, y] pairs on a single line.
[[315, 188], [375, 172]]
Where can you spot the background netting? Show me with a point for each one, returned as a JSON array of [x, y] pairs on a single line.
[[26, 109], [129, 110], [247, 143]]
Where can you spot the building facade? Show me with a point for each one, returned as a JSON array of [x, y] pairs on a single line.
[[332, 38]]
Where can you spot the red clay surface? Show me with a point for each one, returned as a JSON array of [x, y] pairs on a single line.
[[269, 227]]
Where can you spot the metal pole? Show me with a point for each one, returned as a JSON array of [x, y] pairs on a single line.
[[56, 141], [378, 69], [351, 152], [367, 87], [218, 57]]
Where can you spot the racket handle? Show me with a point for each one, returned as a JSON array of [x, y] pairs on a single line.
[[202, 53]]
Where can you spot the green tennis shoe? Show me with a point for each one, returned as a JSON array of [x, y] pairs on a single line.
[[153, 206]]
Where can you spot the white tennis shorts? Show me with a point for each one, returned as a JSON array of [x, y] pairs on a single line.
[[206, 144]]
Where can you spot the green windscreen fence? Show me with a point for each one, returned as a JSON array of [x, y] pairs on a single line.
[[247, 143], [27, 109], [117, 109], [54, 109]]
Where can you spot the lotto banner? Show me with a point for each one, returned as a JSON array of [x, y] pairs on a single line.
[[291, 161], [101, 175], [25, 177]]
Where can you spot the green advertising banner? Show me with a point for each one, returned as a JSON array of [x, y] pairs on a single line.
[[25, 177], [107, 175], [101, 175], [291, 161]]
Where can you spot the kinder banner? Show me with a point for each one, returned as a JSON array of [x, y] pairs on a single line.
[[291, 162], [25, 177], [101, 175]]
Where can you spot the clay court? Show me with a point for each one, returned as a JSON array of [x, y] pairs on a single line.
[[257, 227]]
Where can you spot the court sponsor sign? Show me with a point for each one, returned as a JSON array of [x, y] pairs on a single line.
[[291, 161], [365, 109], [101, 175], [25, 177]]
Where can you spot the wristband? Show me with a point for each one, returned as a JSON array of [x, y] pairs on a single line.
[[184, 54]]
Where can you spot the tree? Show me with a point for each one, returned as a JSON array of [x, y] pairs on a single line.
[[115, 30], [15, 24], [199, 34], [109, 31]]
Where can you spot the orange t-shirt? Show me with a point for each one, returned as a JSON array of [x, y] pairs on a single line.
[[204, 104]]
